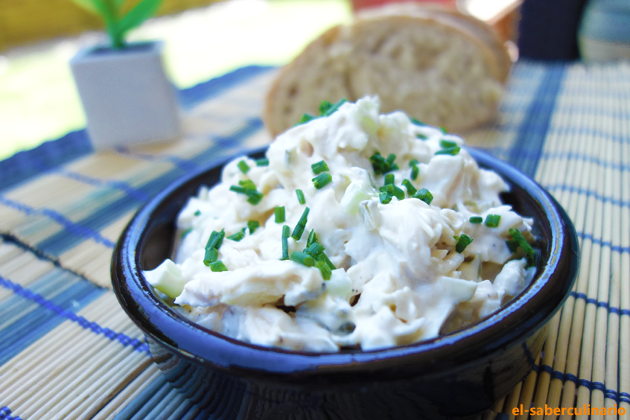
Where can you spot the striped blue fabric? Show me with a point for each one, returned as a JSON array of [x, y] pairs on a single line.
[[537, 131]]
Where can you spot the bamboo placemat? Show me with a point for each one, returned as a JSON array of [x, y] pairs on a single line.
[[68, 351]]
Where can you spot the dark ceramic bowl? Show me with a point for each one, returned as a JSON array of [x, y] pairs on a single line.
[[457, 375]]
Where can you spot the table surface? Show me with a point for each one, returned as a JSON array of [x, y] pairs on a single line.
[[68, 351]]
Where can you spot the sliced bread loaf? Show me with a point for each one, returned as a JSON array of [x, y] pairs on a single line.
[[427, 63]]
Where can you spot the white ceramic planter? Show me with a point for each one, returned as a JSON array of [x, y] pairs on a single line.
[[126, 96]]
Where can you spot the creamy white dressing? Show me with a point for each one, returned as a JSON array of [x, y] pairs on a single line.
[[398, 277]]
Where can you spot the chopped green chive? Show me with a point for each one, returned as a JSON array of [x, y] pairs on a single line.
[[300, 196], [197, 213], [301, 225], [512, 245], [262, 162], [411, 190], [218, 266], [321, 180], [398, 193], [417, 122], [421, 136], [216, 239], [286, 231], [518, 238], [448, 151], [306, 118], [382, 165], [326, 108], [324, 269], [443, 130], [312, 238], [212, 247], [319, 167], [492, 220], [314, 249], [252, 225], [385, 198], [389, 179], [239, 189], [243, 166], [414, 172], [247, 184], [388, 191], [424, 195], [186, 232], [279, 213], [446, 144], [462, 242], [211, 256], [255, 199], [323, 257], [303, 258], [475, 220], [254, 196], [378, 163], [413, 162], [237, 236]]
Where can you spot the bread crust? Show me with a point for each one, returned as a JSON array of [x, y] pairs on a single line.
[[468, 23], [273, 95], [351, 61]]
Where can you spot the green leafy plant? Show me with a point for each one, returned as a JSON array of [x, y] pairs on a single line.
[[116, 20]]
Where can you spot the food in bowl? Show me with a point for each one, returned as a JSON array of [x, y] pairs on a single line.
[[357, 230], [455, 375]]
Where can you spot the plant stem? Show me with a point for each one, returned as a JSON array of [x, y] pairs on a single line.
[[111, 21]]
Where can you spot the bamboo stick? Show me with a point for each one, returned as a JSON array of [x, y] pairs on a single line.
[[581, 206], [46, 347], [41, 378], [131, 391], [624, 296], [569, 200], [612, 340], [552, 172], [76, 364], [563, 176], [496, 408], [8, 252], [26, 267], [588, 338], [511, 400], [527, 391], [98, 399], [66, 391]]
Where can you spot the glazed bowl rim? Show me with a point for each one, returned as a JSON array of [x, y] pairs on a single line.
[[204, 346]]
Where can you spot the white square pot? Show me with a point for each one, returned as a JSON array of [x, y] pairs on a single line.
[[126, 96]]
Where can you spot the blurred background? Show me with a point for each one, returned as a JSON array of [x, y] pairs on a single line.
[[207, 38]]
